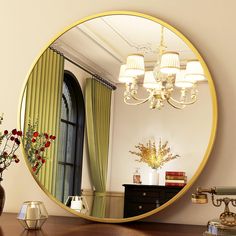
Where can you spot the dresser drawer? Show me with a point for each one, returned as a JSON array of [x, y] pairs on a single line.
[[141, 193], [135, 208]]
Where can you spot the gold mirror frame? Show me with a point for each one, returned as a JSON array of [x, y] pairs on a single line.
[[213, 128]]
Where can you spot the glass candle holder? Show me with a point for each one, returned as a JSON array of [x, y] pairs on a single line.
[[32, 215]]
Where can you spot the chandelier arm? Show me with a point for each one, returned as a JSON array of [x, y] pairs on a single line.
[[175, 106], [141, 101], [183, 103]]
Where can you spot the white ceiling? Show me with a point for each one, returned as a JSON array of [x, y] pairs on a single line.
[[101, 45]]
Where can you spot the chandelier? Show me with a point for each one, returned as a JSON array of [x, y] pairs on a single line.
[[164, 82]]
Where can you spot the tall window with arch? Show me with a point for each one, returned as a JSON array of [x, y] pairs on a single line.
[[69, 165]]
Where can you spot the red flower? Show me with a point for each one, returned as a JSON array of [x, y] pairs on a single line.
[[19, 133], [17, 141], [14, 156], [42, 149], [36, 152], [46, 135], [17, 160], [43, 160], [5, 132], [52, 137], [34, 169], [36, 134], [12, 138], [33, 140], [14, 131], [39, 158], [47, 144]]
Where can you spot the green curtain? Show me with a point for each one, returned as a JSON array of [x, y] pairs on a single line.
[[98, 105], [43, 105]]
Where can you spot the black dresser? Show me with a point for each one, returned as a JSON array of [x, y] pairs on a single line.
[[140, 199]]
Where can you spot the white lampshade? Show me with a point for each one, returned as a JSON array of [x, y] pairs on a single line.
[[150, 82], [181, 81], [135, 65], [123, 77], [170, 63], [194, 71]]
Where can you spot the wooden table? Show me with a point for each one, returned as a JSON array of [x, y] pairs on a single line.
[[71, 226]]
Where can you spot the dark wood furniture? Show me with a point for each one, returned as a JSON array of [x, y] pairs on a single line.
[[74, 226], [140, 198]]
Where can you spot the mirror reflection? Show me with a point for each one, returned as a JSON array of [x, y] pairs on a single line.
[[118, 115]]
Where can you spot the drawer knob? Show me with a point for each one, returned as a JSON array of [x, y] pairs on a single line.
[[140, 207], [144, 194]]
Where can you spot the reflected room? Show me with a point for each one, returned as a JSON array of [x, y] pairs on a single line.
[[118, 116]]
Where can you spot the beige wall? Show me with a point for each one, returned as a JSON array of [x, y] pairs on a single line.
[[138, 124], [26, 26]]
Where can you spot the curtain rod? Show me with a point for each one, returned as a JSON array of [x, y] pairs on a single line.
[[95, 76]]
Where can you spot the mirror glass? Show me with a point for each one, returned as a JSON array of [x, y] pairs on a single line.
[[80, 132]]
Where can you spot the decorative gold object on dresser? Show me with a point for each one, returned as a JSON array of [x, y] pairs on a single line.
[[226, 223], [75, 93], [155, 156]]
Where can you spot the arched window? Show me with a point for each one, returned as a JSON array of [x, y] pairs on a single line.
[[69, 166]]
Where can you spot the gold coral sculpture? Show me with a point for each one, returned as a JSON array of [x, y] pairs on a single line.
[[152, 155]]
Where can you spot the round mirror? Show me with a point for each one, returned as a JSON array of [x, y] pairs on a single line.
[[119, 115]]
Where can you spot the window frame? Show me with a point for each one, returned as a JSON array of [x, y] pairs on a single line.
[[75, 89]]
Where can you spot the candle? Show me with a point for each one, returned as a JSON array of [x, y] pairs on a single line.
[[32, 216], [76, 204]]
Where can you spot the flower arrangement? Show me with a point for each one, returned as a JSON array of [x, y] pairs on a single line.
[[36, 145], [154, 156], [9, 143]]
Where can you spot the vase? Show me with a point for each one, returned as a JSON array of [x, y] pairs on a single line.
[[153, 177], [2, 198]]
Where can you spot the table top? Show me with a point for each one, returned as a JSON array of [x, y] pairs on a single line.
[[150, 186], [71, 226]]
